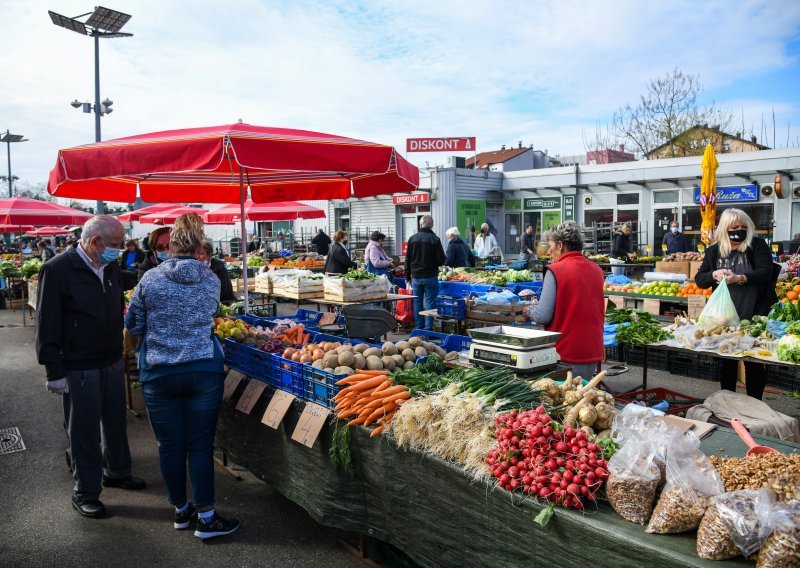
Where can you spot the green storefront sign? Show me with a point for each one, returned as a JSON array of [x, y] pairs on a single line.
[[569, 208], [539, 203], [470, 213], [513, 204]]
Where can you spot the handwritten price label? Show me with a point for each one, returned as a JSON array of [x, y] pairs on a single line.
[[696, 305], [652, 306], [310, 424], [277, 408], [231, 382], [252, 392]]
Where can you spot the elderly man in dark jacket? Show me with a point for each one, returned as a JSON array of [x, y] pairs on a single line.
[[424, 256], [458, 254], [79, 342]]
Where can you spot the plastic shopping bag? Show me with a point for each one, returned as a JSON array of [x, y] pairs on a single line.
[[719, 310], [404, 309], [735, 523]]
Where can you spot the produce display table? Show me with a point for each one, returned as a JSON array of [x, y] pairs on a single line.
[[429, 509]]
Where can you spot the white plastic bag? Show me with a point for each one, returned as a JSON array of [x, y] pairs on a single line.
[[736, 523], [719, 309]]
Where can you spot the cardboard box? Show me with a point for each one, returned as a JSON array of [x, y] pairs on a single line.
[[694, 266], [674, 267]]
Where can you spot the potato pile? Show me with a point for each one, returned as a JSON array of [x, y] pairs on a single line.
[[690, 256], [347, 358]]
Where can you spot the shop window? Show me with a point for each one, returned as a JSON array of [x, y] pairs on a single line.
[[628, 199], [726, 145], [670, 196], [423, 208], [408, 209], [594, 216]]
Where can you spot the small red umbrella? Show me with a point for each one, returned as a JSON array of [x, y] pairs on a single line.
[[25, 211], [47, 232], [134, 215], [169, 216], [279, 211]]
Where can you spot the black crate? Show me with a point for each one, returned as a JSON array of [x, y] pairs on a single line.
[[785, 378], [615, 353], [657, 359]]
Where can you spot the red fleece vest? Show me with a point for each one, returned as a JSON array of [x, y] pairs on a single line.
[[580, 309]]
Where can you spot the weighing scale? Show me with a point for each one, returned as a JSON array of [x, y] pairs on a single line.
[[523, 349]]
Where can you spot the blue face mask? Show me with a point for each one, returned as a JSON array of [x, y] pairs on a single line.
[[162, 255], [109, 255], [674, 229]]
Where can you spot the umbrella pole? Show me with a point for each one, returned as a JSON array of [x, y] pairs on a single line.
[[244, 243], [22, 308]]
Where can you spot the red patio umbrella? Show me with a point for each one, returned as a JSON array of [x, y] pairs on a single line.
[[214, 164], [25, 211], [47, 232], [168, 217], [134, 215], [15, 228], [279, 211]]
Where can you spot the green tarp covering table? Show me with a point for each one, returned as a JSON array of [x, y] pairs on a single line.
[[429, 509]]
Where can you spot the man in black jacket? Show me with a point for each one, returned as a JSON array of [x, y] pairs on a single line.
[[528, 244], [322, 242], [424, 256], [226, 295], [79, 341]]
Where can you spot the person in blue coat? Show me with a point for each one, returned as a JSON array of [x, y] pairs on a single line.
[[458, 253], [675, 240]]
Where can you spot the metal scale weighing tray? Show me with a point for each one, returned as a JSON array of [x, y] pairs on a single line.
[[523, 349]]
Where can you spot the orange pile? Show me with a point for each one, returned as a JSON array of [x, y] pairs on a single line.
[[789, 294], [692, 289]]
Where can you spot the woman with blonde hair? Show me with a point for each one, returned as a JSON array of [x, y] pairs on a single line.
[[744, 261], [181, 370], [338, 261]]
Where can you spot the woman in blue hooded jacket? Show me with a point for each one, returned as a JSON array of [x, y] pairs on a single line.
[[181, 368]]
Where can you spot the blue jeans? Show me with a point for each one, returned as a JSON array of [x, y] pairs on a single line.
[[426, 290], [183, 412]]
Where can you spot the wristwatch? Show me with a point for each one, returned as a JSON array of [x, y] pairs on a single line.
[[743, 281]]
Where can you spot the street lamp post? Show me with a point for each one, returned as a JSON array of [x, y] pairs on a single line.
[[102, 23], [8, 138]]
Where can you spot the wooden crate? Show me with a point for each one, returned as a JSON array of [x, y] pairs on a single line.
[[263, 286], [512, 313], [333, 297], [341, 290], [238, 284], [296, 294]]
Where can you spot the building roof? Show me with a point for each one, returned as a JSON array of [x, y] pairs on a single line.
[[494, 157], [725, 135]]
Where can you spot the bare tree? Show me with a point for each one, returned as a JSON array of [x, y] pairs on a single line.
[[30, 190]]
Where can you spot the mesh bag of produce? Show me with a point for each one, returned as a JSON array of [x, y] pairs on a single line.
[[691, 482], [735, 523], [782, 548]]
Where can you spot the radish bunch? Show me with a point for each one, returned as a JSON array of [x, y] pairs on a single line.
[[535, 455]]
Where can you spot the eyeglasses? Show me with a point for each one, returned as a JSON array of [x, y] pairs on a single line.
[[162, 248]]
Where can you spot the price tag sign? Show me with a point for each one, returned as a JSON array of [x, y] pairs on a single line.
[[664, 249], [701, 248], [310, 424], [617, 301], [696, 305], [277, 408], [647, 248], [231, 382], [652, 306], [252, 392]]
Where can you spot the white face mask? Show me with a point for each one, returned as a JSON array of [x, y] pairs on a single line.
[[674, 229]]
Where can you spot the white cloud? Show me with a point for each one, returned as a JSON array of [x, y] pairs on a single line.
[[540, 72]]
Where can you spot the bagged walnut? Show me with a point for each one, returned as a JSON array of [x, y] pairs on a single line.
[[691, 482], [787, 486], [735, 524]]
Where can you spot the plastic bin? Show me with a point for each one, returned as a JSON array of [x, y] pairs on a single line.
[[288, 375], [250, 361], [782, 377], [317, 337], [447, 306], [678, 403], [320, 386], [448, 342], [517, 287]]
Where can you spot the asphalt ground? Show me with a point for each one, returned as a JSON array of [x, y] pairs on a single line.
[[39, 527]]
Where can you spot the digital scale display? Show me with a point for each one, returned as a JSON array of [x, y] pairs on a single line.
[[494, 356]]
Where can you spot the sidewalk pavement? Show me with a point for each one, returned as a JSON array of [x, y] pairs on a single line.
[[40, 528]]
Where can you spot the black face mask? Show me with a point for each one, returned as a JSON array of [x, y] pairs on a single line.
[[737, 236]]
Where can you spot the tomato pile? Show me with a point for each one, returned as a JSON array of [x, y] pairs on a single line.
[[533, 455]]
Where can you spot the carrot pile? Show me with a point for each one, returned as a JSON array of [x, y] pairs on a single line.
[[369, 398], [296, 335]]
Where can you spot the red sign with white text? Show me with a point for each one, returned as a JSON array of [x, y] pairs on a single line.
[[462, 144], [411, 199]]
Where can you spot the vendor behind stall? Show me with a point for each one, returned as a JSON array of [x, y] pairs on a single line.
[[621, 247], [675, 240], [338, 261], [486, 244], [572, 301], [744, 261], [218, 267]]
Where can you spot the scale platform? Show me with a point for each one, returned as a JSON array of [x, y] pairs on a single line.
[[522, 349]]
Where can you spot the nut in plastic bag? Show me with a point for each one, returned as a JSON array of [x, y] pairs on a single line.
[[633, 481], [691, 482], [782, 548], [735, 523]]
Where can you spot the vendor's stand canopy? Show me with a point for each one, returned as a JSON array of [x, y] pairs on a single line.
[[280, 211], [15, 228], [25, 211], [47, 232], [169, 216], [135, 215], [708, 194]]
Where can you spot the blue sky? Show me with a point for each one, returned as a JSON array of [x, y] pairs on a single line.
[[504, 71]]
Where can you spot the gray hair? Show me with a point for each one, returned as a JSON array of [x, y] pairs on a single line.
[[208, 246], [452, 231], [568, 233], [426, 222], [104, 226], [484, 226]]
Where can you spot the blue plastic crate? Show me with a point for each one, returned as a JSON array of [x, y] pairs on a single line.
[[318, 337], [451, 307], [288, 375], [517, 287], [320, 386], [249, 361], [446, 341]]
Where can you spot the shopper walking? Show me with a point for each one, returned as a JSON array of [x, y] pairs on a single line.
[[45, 252], [572, 301], [338, 261], [79, 342], [181, 370], [744, 261], [675, 240], [322, 242], [375, 258], [226, 295], [528, 244], [132, 257], [486, 244], [424, 256], [458, 253], [159, 251]]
